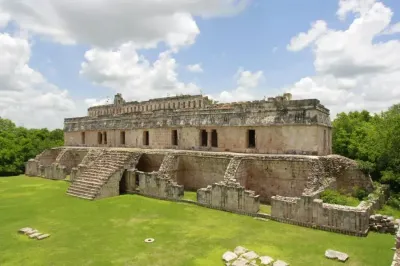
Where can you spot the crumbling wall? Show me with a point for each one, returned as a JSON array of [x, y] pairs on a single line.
[[111, 187], [71, 158], [150, 162], [199, 170], [155, 184], [311, 211], [270, 176], [229, 195], [37, 166]]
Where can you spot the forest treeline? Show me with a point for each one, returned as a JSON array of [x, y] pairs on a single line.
[[373, 140], [18, 145]]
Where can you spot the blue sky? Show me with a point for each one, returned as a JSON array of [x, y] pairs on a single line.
[[245, 54]]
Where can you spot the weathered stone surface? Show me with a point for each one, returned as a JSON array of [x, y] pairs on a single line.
[[35, 235], [31, 231], [250, 255], [229, 256], [383, 224], [280, 263], [239, 250], [42, 236], [24, 230], [266, 260], [240, 262], [332, 254]]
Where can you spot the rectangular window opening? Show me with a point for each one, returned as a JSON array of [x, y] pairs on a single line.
[[214, 138], [175, 137], [251, 135], [204, 138], [146, 138]]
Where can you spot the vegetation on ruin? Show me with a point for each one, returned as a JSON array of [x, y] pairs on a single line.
[[18, 145], [373, 140], [112, 232], [335, 197]]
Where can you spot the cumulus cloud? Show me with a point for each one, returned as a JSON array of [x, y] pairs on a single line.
[[196, 68], [304, 39], [246, 82], [125, 71], [25, 95], [109, 23], [353, 70]]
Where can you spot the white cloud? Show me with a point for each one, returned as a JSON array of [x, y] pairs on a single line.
[[109, 23], [125, 71], [25, 95], [353, 70], [196, 68], [304, 39], [395, 28], [246, 82]]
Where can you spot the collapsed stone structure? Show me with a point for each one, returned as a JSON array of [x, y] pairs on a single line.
[[235, 156]]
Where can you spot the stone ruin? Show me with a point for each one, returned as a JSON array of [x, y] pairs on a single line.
[[236, 156]]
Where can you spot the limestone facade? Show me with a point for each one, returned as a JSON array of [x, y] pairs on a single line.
[[274, 126]]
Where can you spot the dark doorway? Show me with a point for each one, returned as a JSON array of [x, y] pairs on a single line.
[[99, 138], [251, 137], [122, 138], [204, 138], [83, 138], [214, 138], [105, 137], [146, 140], [175, 137], [123, 184]]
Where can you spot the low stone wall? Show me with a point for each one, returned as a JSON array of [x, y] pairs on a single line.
[[310, 210], [32, 168], [55, 171], [229, 195], [155, 184]]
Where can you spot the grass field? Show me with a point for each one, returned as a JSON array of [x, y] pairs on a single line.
[[112, 232]]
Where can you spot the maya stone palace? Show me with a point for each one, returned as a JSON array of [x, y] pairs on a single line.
[[235, 156]]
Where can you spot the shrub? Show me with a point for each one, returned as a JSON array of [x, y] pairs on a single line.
[[335, 197]]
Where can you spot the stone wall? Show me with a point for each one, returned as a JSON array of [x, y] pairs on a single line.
[[155, 184], [229, 195], [199, 170], [37, 166], [309, 209]]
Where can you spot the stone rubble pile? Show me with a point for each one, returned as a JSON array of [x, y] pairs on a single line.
[[243, 257], [383, 224], [33, 233], [333, 254]]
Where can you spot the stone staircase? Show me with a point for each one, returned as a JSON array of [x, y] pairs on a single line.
[[230, 171], [89, 183]]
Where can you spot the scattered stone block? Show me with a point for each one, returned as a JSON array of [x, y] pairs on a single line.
[[32, 231], [251, 255], [42, 236], [332, 254], [34, 235], [229, 256], [280, 263], [240, 262], [24, 230], [266, 260], [240, 250]]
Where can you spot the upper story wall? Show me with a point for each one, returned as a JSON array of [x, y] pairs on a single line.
[[274, 111], [160, 104]]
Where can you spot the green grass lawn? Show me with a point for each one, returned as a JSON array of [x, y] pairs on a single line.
[[112, 232]]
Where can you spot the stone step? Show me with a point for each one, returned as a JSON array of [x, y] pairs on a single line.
[[83, 190], [80, 196]]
